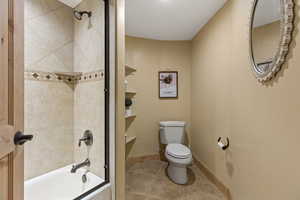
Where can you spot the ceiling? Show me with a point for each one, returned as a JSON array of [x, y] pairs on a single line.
[[267, 12], [169, 19]]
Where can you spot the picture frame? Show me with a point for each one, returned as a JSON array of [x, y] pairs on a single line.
[[168, 84]]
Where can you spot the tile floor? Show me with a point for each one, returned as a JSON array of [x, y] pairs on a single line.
[[147, 180]]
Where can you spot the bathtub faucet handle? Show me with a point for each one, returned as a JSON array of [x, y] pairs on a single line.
[[87, 138], [81, 140]]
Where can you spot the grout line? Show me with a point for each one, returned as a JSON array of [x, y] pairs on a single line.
[[47, 12], [53, 51]]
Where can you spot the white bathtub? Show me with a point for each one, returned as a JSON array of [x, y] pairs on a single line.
[[61, 184]]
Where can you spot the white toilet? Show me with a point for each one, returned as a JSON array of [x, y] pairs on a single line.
[[179, 156]]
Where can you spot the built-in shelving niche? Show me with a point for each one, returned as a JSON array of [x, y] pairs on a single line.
[[129, 139], [129, 70], [130, 116], [130, 93]]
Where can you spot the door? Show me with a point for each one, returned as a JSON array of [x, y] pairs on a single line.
[[11, 99]]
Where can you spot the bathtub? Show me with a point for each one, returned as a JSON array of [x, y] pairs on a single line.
[[61, 184]]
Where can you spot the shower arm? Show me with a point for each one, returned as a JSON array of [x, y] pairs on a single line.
[[78, 14], [88, 13]]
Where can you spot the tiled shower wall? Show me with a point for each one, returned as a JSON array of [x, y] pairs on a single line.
[[48, 104], [49, 31], [89, 96], [57, 112], [89, 38]]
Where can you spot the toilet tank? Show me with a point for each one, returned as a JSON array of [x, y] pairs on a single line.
[[172, 132]]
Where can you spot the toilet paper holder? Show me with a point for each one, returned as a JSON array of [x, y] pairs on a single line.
[[222, 145]]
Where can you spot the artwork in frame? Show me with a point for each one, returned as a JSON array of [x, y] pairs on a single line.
[[168, 84]]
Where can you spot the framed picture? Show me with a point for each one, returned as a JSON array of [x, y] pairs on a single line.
[[168, 84]]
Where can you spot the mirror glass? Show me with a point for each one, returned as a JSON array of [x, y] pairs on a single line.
[[266, 34]]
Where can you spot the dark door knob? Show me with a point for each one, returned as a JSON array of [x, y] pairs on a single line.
[[20, 138]]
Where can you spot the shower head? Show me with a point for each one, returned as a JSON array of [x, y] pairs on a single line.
[[78, 14]]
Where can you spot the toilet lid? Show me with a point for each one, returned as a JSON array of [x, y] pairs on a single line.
[[178, 151]]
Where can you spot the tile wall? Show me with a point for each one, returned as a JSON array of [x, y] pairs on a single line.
[[59, 107], [89, 96]]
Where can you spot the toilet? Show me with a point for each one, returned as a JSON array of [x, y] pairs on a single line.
[[179, 156]]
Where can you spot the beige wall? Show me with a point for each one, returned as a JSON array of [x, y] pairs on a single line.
[[265, 41], [260, 119], [150, 57], [48, 48], [211, 59]]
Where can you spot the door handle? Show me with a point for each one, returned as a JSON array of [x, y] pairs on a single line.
[[20, 138]]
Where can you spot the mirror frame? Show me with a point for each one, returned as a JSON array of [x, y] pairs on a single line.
[[286, 33]]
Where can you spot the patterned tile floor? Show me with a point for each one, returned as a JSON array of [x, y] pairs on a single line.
[[148, 181]]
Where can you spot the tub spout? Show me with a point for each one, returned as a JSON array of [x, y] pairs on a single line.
[[86, 163]]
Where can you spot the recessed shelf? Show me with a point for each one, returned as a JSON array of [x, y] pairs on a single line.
[[130, 92], [129, 139], [129, 70], [130, 116], [73, 74]]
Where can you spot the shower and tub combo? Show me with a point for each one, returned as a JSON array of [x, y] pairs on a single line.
[[77, 177], [66, 105], [52, 182]]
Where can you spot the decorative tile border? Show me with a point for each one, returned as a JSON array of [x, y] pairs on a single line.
[[69, 78], [91, 76], [48, 76]]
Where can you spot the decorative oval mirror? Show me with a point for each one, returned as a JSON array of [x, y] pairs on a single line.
[[271, 28]]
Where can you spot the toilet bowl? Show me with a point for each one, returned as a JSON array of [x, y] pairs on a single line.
[[179, 157], [172, 134]]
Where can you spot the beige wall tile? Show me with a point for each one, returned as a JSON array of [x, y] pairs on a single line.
[[89, 97], [48, 36], [57, 112], [49, 116], [48, 105], [89, 115], [89, 38], [36, 8], [59, 61]]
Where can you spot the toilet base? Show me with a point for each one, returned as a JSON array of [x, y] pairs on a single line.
[[177, 168], [178, 174]]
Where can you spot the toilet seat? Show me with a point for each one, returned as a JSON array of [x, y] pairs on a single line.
[[179, 157], [178, 151]]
